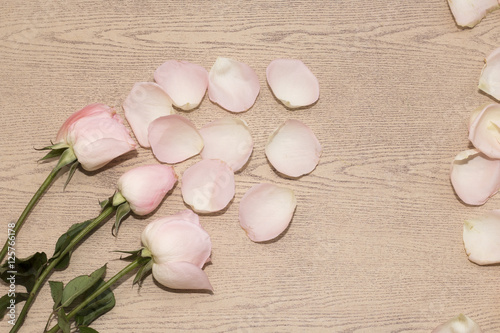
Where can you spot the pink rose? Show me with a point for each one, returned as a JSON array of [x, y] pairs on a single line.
[[145, 187], [179, 248], [96, 135]]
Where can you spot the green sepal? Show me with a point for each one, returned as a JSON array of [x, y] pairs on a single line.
[[67, 157], [60, 145], [53, 153], [25, 270], [86, 329], [5, 302], [132, 255], [118, 199], [104, 204], [80, 285], [122, 211], [71, 172], [56, 291], [63, 321], [99, 306], [64, 240], [143, 271]]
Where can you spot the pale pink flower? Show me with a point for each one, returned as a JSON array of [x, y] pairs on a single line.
[[97, 135], [145, 187], [179, 248]]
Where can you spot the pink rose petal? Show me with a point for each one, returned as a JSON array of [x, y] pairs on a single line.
[[468, 13], [233, 85], [459, 324], [475, 177], [146, 102], [293, 149], [174, 139], [184, 82], [181, 275], [266, 211], [145, 187], [292, 82], [484, 131], [489, 81], [227, 139], [482, 239], [208, 186]]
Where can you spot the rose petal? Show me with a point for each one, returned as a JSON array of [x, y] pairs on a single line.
[[482, 239], [173, 239], [475, 177], [145, 187], [459, 324], [184, 82], [92, 110], [292, 82], [174, 139], [181, 275], [266, 211], [208, 186], [293, 149], [146, 102], [484, 131], [233, 85], [489, 81], [227, 139], [468, 13]]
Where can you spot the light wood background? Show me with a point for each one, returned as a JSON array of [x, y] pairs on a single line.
[[376, 241]]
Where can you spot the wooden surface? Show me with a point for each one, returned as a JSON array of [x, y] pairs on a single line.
[[376, 241]]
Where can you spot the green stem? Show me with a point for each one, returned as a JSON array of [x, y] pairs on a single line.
[[29, 207], [49, 268], [130, 267]]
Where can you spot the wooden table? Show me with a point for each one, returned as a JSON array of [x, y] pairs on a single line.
[[376, 241]]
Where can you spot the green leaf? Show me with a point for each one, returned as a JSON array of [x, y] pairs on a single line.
[[56, 290], [53, 153], [23, 271], [63, 321], [80, 285], [64, 241], [99, 306], [72, 170], [5, 302], [122, 211], [86, 329]]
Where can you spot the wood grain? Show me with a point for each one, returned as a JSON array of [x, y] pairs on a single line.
[[375, 244]]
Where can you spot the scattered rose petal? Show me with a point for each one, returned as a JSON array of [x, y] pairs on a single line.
[[146, 102], [293, 149], [145, 187], [227, 139], [482, 239], [184, 82], [266, 211], [174, 139], [484, 131], [179, 247], [459, 324], [292, 82], [233, 85], [489, 81], [208, 186], [468, 13], [475, 177]]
